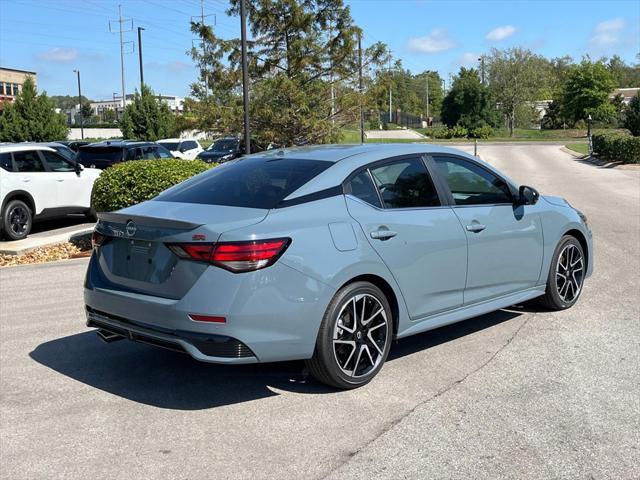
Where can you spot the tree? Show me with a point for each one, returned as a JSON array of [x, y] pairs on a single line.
[[109, 115], [587, 91], [300, 49], [622, 74], [147, 118], [86, 112], [65, 102], [468, 103], [515, 78], [632, 116], [31, 118]]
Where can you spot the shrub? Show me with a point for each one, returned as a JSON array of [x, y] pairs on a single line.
[[458, 131], [481, 132], [632, 116], [129, 183], [618, 147], [439, 132]]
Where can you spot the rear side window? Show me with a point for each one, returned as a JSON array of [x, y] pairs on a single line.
[[362, 187], [28, 162], [111, 154], [5, 161], [189, 145], [250, 182], [405, 183]]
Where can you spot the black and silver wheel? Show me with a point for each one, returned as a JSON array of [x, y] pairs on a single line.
[[354, 337], [16, 220], [566, 275]]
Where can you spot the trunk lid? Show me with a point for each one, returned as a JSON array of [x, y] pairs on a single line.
[[135, 257]]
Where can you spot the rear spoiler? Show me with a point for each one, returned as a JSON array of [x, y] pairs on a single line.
[[153, 222]]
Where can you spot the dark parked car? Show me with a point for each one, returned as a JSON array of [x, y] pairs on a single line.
[[104, 154], [62, 149], [225, 149], [73, 144]]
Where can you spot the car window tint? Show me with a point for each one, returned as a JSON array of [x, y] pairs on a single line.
[[5, 162], [28, 162], [362, 187], [404, 184], [162, 152], [252, 182], [56, 163], [149, 153], [189, 145], [471, 184]]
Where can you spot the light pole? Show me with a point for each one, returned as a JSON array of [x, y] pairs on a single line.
[[589, 134], [140, 57], [80, 106], [245, 77]]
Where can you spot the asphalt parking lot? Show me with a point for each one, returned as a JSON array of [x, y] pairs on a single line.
[[520, 393]]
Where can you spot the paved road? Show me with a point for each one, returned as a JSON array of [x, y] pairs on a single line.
[[519, 393], [399, 134]]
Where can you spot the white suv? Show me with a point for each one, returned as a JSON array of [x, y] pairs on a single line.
[[37, 182], [185, 148]]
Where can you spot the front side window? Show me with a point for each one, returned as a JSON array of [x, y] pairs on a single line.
[[471, 184], [362, 187], [56, 163], [162, 152], [28, 162], [405, 183], [252, 182], [173, 146]]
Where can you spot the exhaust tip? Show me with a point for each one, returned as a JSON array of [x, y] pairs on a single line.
[[109, 337]]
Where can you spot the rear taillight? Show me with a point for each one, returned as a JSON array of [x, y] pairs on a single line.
[[234, 256], [97, 239]]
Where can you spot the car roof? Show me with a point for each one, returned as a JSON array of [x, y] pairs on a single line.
[[116, 144], [21, 147]]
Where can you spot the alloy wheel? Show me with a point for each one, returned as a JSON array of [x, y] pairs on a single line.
[[569, 273], [18, 220], [360, 335]]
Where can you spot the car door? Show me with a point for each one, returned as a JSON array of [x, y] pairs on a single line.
[[34, 179], [420, 240], [505, 239], [73, 188], [190, 149]]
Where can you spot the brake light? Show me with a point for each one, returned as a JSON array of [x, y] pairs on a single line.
[[234, 256], [97, 239]]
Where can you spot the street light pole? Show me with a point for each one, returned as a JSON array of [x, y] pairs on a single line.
[[140, 57], [360, 85], [245, 77], [80, 106], [589, 134]]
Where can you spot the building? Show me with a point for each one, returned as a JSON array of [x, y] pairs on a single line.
[[627, 94], [99, 107], [11, 81]]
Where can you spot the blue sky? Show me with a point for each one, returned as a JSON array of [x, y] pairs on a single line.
[[54, 37]]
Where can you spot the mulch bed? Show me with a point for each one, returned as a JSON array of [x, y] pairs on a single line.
[[62, 251]]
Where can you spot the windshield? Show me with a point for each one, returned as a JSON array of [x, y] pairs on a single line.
[[112, 154], [260, 182], [173, 146], [225, 145]]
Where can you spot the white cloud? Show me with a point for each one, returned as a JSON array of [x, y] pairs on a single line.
[[436, 41], [500, 33], [468, 59], [607, 33], [60, 55]]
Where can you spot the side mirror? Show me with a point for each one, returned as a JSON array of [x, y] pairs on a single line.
[[527, 195], [79, 168]]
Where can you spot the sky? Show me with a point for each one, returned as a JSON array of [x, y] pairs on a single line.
[[54, 37]]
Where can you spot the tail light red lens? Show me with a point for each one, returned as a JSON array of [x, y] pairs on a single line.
[[234, 256], [97, 239]]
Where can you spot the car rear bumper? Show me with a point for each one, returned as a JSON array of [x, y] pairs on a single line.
[[271, 314]]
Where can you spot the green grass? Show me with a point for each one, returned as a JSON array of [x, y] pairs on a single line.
[[582, 148]]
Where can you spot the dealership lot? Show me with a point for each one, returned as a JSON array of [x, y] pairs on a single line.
[[517, 393]]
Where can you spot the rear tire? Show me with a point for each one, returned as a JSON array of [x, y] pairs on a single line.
[[17, 220], [566, 275], [354, 337]]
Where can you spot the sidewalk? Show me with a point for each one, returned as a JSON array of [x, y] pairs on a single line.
[[44, 239]]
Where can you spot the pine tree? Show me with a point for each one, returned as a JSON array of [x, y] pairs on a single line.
[[147, 118]]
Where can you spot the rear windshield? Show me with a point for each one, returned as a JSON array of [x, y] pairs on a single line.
[[250, 182], [100, 153], [227, 145]]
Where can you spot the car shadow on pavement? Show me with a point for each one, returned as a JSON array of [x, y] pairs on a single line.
[[171, 380]]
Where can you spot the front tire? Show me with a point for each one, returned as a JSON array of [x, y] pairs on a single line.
[[17, 220], [354, 338], [566, 275]]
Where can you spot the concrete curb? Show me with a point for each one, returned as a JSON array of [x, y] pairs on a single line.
[[45, 239]]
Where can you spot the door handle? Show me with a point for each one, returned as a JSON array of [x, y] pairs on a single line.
[[59, 179], [383, 234], [475, 227], [26, 180]]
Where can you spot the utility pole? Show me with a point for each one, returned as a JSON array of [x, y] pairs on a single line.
[[427, 99], [481, 60], [140, 58], [80, 106], [245, 77], [121, 21], [360, 85], [333, 91], [390, 94], [203, 45]]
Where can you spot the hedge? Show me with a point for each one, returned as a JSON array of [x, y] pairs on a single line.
[[128, 183], [619, 147]]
